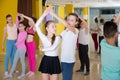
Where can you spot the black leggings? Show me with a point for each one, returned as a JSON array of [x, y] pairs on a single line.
[[83, 56]]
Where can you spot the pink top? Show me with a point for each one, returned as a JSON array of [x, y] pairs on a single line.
[[21, 40], [31, 31]]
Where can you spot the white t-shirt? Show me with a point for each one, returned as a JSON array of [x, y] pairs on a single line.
[[101, 30], [83, 37], [69, 40]]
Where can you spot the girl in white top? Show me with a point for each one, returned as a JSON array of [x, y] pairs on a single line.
[[50, 64], [11, 31], [69, 39], [83, 41]]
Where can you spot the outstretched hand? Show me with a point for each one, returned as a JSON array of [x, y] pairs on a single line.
[[40, 47], [19, 14], [52, 11], [47, 11]]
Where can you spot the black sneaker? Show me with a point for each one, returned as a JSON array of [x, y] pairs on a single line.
[[80, 70], [87, 73]]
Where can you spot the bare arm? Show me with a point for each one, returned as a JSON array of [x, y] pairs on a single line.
[[21, 19], [39, 21], [83, 23], [117, 19], [63, 21], [30, 21], [4, 38]]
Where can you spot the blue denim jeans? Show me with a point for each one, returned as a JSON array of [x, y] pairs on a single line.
[[67, 70], [10, 52]]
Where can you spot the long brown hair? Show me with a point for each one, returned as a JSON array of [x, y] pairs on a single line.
[[46, 25]]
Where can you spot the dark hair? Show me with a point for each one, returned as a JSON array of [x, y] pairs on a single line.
[[74, 14], [8, 15], [66, 18], [77, 19], [112, 20], [46, 25], [109, 29], [102, 20], [79, 22], [96, 20], [25, 23]]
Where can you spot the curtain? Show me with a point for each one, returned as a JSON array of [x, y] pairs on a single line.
[[25, 7]]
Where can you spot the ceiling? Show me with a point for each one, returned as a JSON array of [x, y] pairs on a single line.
[[84, 3]]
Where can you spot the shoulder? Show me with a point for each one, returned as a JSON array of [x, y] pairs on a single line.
[[103, 41]]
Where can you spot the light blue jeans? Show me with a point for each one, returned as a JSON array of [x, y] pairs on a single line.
[[20, 54], [10, 52]]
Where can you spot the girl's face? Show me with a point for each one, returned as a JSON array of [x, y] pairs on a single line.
[[9, 20], [83, 24], [21, 27], [51, 28], [71, 20]]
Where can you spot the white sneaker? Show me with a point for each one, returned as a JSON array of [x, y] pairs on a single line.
[[6, 73], [7, 76], [21, 76]]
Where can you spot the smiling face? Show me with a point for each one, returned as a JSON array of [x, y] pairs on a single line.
[[51, 27]]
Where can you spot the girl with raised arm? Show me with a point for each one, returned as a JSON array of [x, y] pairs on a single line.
[[69, 39], [50, 64]]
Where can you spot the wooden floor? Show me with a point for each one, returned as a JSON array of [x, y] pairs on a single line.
[[94, 69]]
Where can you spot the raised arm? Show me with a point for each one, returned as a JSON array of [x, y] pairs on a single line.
[[30, 21], [117, 19], [17, 20], [37, 25], [62, 21], [54, 46], [4, 38], [83, 23]]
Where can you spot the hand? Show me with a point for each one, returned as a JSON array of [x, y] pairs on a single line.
[[40, 47], [47, 11], [19, 14], [3, 48], [52, 11]]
